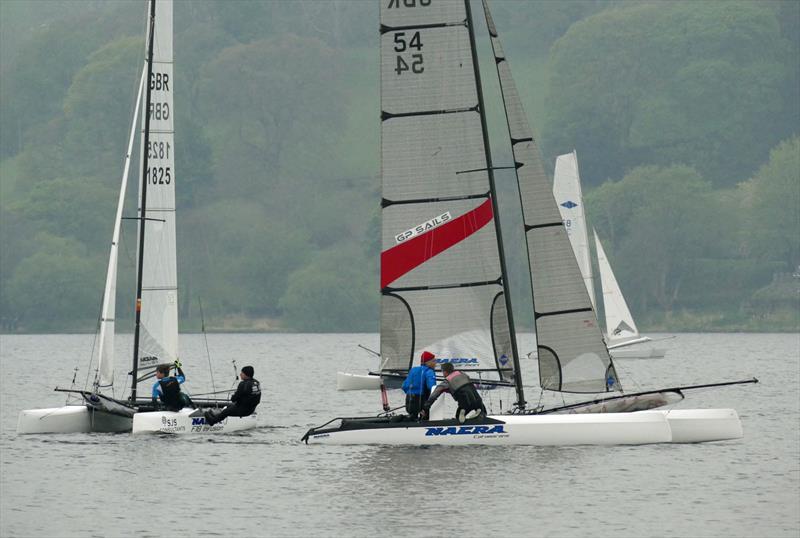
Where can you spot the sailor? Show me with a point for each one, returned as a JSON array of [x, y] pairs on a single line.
[[167, 388], [470, 404], [417, 386], [245, 399]]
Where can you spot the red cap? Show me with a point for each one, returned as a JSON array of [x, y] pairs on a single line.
[[427, 356]]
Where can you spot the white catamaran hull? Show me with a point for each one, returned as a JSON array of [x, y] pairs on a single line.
[[180, 422], [348, 381], [543, 430], [71, 419], [701, 425]]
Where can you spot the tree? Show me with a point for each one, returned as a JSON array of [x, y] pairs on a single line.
[[336, 291], [670, 220], [267, 99], [772, 200], [58, 287], [672, 82], [238, 259]]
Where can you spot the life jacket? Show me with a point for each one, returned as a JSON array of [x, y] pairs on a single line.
[[171, 393], [464, 391], [252, 397]]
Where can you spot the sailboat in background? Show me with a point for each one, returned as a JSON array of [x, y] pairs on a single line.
[[621, 330], [156, 331], [444, 282], [620, 327]]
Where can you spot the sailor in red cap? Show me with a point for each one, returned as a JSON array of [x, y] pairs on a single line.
[[419, 383]]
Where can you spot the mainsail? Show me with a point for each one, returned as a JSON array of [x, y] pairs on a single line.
[[442, 280], [572, 354], [567, 192], [158, 331], [620, 326], [105, 359]]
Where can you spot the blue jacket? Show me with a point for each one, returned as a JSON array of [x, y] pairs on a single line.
[[420, 380], [157, 385]]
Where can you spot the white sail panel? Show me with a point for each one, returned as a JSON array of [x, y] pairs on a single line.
[[619, 321], [567, 191], [441, 276], [105, 357], [429, 156], [417, 63], [572, 354], [400, 13], [158, 341]]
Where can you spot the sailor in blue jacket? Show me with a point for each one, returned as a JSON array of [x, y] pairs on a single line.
[[419, 383], [167, 388]]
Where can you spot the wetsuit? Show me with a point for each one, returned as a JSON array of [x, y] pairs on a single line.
[[417, 387], [464, 392], [167, 390], [245, 400]]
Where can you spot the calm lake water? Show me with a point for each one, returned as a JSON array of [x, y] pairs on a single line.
[[266, 483]]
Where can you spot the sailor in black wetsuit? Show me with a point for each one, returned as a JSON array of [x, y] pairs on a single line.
[[470, 404], [245, 399]]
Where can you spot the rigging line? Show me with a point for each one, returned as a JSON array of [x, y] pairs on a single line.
[[205, 339], [370, 350]]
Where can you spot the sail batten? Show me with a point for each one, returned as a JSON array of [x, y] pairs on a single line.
[[441, 273], [572, 355]]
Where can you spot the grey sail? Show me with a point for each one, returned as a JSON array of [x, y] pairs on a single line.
[[441, 275], [572, 354]]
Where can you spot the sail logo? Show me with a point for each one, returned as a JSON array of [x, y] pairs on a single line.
[[464, 361], [423, 228], [148, 358], [466, 430], [503, 359], [569, 204]]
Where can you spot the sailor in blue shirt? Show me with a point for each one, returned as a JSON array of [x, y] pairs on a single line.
[[419, 383], [167, 388]]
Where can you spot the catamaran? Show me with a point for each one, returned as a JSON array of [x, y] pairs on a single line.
[[444, 285], [156, 330], [621, 330]]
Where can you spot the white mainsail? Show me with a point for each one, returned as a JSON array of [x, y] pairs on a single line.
[[158, 341], [620, 326], [105, 358], [567, 191]]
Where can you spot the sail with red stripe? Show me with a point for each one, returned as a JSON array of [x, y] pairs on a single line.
[[441, 276]]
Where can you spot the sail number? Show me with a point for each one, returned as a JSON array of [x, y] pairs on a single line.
[[159, 111], [158, 150], [159, 175], [412, 61], [408, 3]]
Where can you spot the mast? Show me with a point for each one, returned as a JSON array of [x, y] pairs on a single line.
[[489, 170], [143, 208]]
